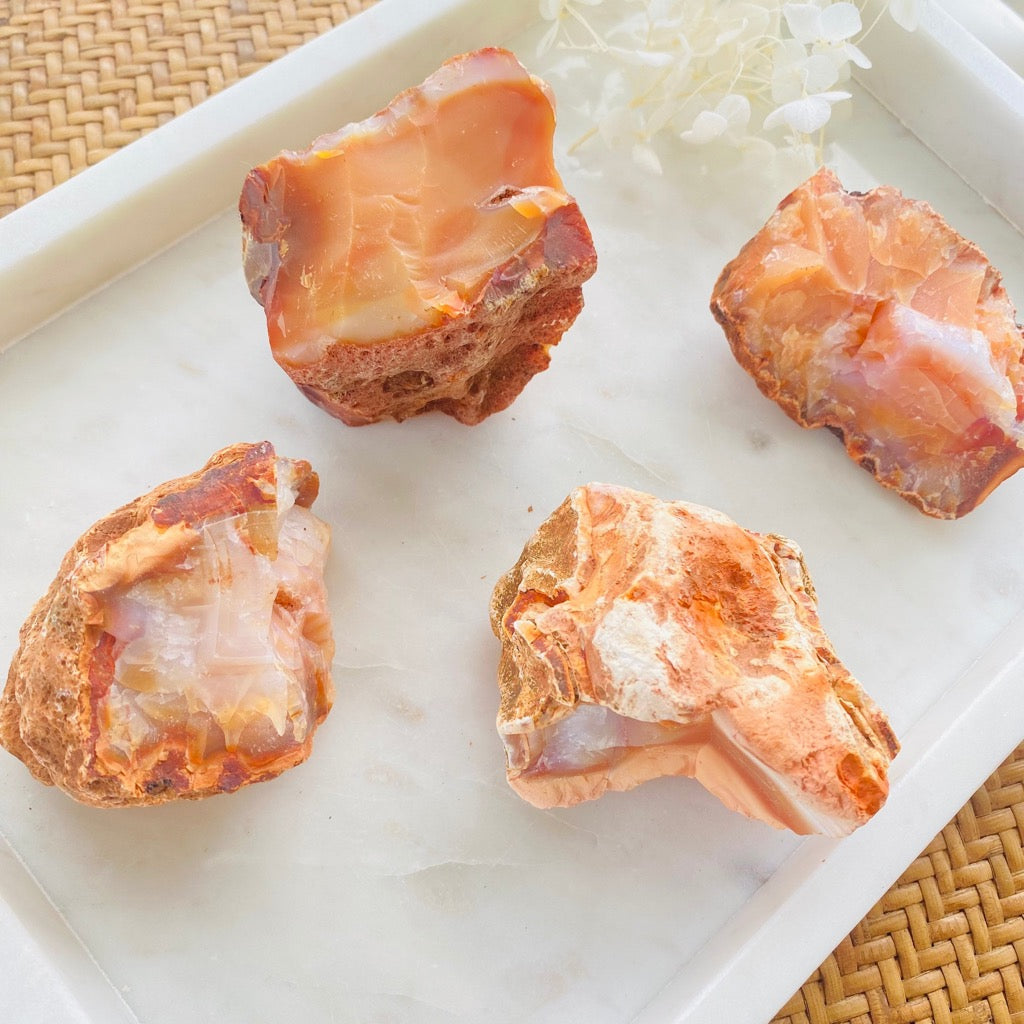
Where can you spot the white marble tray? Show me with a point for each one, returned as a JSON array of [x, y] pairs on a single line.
[[394, 877]]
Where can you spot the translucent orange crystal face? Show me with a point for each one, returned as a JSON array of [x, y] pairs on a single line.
[[869, 314], [214, 654], [397, 222]]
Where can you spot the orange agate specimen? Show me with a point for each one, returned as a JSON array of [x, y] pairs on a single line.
[[425, 258], [643, 638], [184, 648], [867, 314]]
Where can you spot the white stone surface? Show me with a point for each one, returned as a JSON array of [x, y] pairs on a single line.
[[33, 992]]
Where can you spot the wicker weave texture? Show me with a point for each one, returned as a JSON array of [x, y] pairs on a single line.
[[946, 942], [79, 79]]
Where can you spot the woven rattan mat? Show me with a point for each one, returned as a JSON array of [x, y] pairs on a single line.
[[79, 79], [946, 942]]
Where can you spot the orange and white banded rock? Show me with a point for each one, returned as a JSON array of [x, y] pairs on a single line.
[[425, 258], [866, 313], [643, 638], [184, 648]]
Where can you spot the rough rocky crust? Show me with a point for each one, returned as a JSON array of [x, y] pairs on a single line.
[[472, 365], [470, 359], [757, 705], [47, 709]]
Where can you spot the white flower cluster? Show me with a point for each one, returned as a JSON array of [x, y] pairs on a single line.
[[712, 70]]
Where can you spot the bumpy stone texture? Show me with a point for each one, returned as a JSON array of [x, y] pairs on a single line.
[[425, 258], [867, 314], [184, 648], [643, 638]]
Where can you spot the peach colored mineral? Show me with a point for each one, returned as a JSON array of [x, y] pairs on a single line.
[[184, 648], [643, 638], [867, 314], [425, 258]]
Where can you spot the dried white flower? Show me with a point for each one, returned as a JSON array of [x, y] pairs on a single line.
[[805, 116], [906, 13], [644, 155], [702, 69], [731, 114], [797, 73], [827, 30], [558, 12]]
